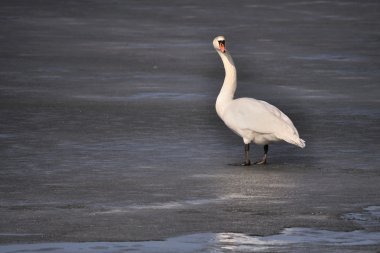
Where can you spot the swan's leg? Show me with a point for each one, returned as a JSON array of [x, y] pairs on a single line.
[[264, 160], [246, 162]]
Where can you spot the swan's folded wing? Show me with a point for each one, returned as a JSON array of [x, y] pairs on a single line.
[[260, 117], [279, 114]]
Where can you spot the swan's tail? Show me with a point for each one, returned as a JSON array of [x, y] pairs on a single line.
[[295, 140], [290, 135], [300, 143]]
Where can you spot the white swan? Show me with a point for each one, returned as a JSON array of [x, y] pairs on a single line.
[[254, 120]]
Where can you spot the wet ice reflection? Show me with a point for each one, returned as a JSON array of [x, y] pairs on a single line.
[[289, 239], [295, 239], [369, 218]]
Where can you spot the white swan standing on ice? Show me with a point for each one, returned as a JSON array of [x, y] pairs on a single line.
[[254, 120]]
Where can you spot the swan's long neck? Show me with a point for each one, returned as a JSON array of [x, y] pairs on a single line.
[[227, 92]]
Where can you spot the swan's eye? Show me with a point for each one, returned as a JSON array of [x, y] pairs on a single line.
[[222, 42]]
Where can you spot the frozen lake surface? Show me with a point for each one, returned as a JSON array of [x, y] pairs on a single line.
[[292, 239], [108, 131], [289, 240]]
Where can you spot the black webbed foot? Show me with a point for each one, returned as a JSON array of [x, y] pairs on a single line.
[[261, 162], [264, 160]]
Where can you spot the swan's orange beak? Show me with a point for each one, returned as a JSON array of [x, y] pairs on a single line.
[[222, 47]]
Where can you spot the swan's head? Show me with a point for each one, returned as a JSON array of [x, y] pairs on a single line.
[[220, 44]]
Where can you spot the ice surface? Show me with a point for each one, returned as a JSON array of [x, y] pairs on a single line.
[[369, 218], [290, 238], [108, 130]]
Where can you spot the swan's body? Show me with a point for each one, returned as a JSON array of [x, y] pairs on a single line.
[[254, 120]]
